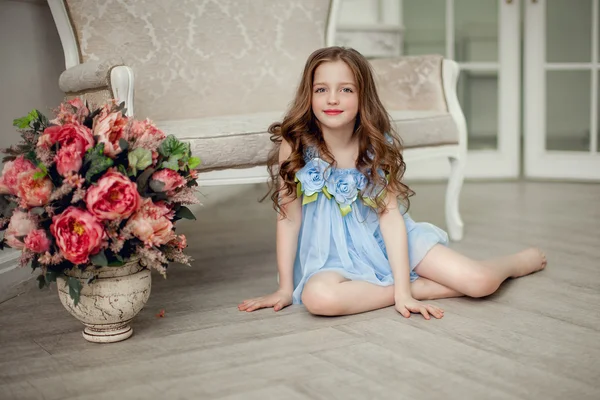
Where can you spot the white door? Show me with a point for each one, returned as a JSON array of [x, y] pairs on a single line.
[[561, 89], [483, 36]]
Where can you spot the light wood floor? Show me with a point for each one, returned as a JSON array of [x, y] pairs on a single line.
[[538, 337]]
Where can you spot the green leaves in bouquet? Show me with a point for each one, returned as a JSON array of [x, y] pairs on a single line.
[[171, 146], [47, 278], [26, 121], [156, 186], [32, 125], [123, 144], [172, 163], [97, 161], [101, 259], [139, 159], [193, 162], [23, 122], [142, 180], [177, 154], [6, 207], [41, 281], [34, 120], [74, 289], [184, 212], [42, 173]]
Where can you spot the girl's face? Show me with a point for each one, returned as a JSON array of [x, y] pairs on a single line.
[[335, 96]]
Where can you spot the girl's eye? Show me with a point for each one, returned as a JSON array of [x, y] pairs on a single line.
[[320, 90], [347, 90]]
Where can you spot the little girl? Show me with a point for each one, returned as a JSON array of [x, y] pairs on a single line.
[[345, 243]]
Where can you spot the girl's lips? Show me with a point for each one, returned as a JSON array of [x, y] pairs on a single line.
[[332, 112]]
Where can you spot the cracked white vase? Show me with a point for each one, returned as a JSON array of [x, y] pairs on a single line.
[[108, 304]]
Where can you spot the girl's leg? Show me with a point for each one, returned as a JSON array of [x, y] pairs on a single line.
[[329, 293], [426, 289], [477, 278]]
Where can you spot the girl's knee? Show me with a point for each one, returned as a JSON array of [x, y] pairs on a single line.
[[481, 282], [319, 299]]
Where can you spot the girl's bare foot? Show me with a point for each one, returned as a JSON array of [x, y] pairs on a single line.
[[529, 261]]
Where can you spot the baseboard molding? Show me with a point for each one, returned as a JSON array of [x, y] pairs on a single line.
[[10, 273]]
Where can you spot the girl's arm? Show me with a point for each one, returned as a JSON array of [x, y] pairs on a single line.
[[288, 228], [393, 230], [395, 237]]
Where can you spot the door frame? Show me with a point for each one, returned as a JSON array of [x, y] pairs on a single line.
[[539, 162]]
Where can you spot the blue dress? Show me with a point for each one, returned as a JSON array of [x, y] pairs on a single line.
[[340, 232]]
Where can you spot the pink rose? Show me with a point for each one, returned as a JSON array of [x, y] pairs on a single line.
[[151, 224], [78, 234], [10, 174], [170, 180], [37, 241], [33, 192], [115, 196], [68, 160], [109, 127], [74, 136], [20, 225]]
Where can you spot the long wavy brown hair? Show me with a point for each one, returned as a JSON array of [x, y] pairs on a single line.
[[300, 129]]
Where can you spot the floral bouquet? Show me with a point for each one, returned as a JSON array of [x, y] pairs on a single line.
[[94, 188]]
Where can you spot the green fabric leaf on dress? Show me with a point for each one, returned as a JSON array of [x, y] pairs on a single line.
[[370, 202], [345, 210], [309, 199]]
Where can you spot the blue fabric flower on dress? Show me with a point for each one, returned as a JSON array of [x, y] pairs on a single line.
[[313, 176], [361, 181], [343, 187]]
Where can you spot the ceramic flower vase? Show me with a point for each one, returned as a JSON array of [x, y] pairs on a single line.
[[107, 304]]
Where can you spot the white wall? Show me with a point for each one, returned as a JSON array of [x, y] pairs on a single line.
[[31, 60]]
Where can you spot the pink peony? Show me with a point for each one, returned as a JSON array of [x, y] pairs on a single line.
[[37, 241], [114, 197], [74, 136], [71, 112], [180, 242], [170, 179], [68, 160], [146, 135], [142, 131], [20, 225], [10, 174], [109, 127], [33, 192], [151, 224], [78, 234]]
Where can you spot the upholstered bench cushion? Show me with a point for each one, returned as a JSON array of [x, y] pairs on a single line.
[[424, 128], [239, 141], [226, 142]]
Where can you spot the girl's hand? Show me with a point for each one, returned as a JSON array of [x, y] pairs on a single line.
[[277, 300], [406, 305]]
